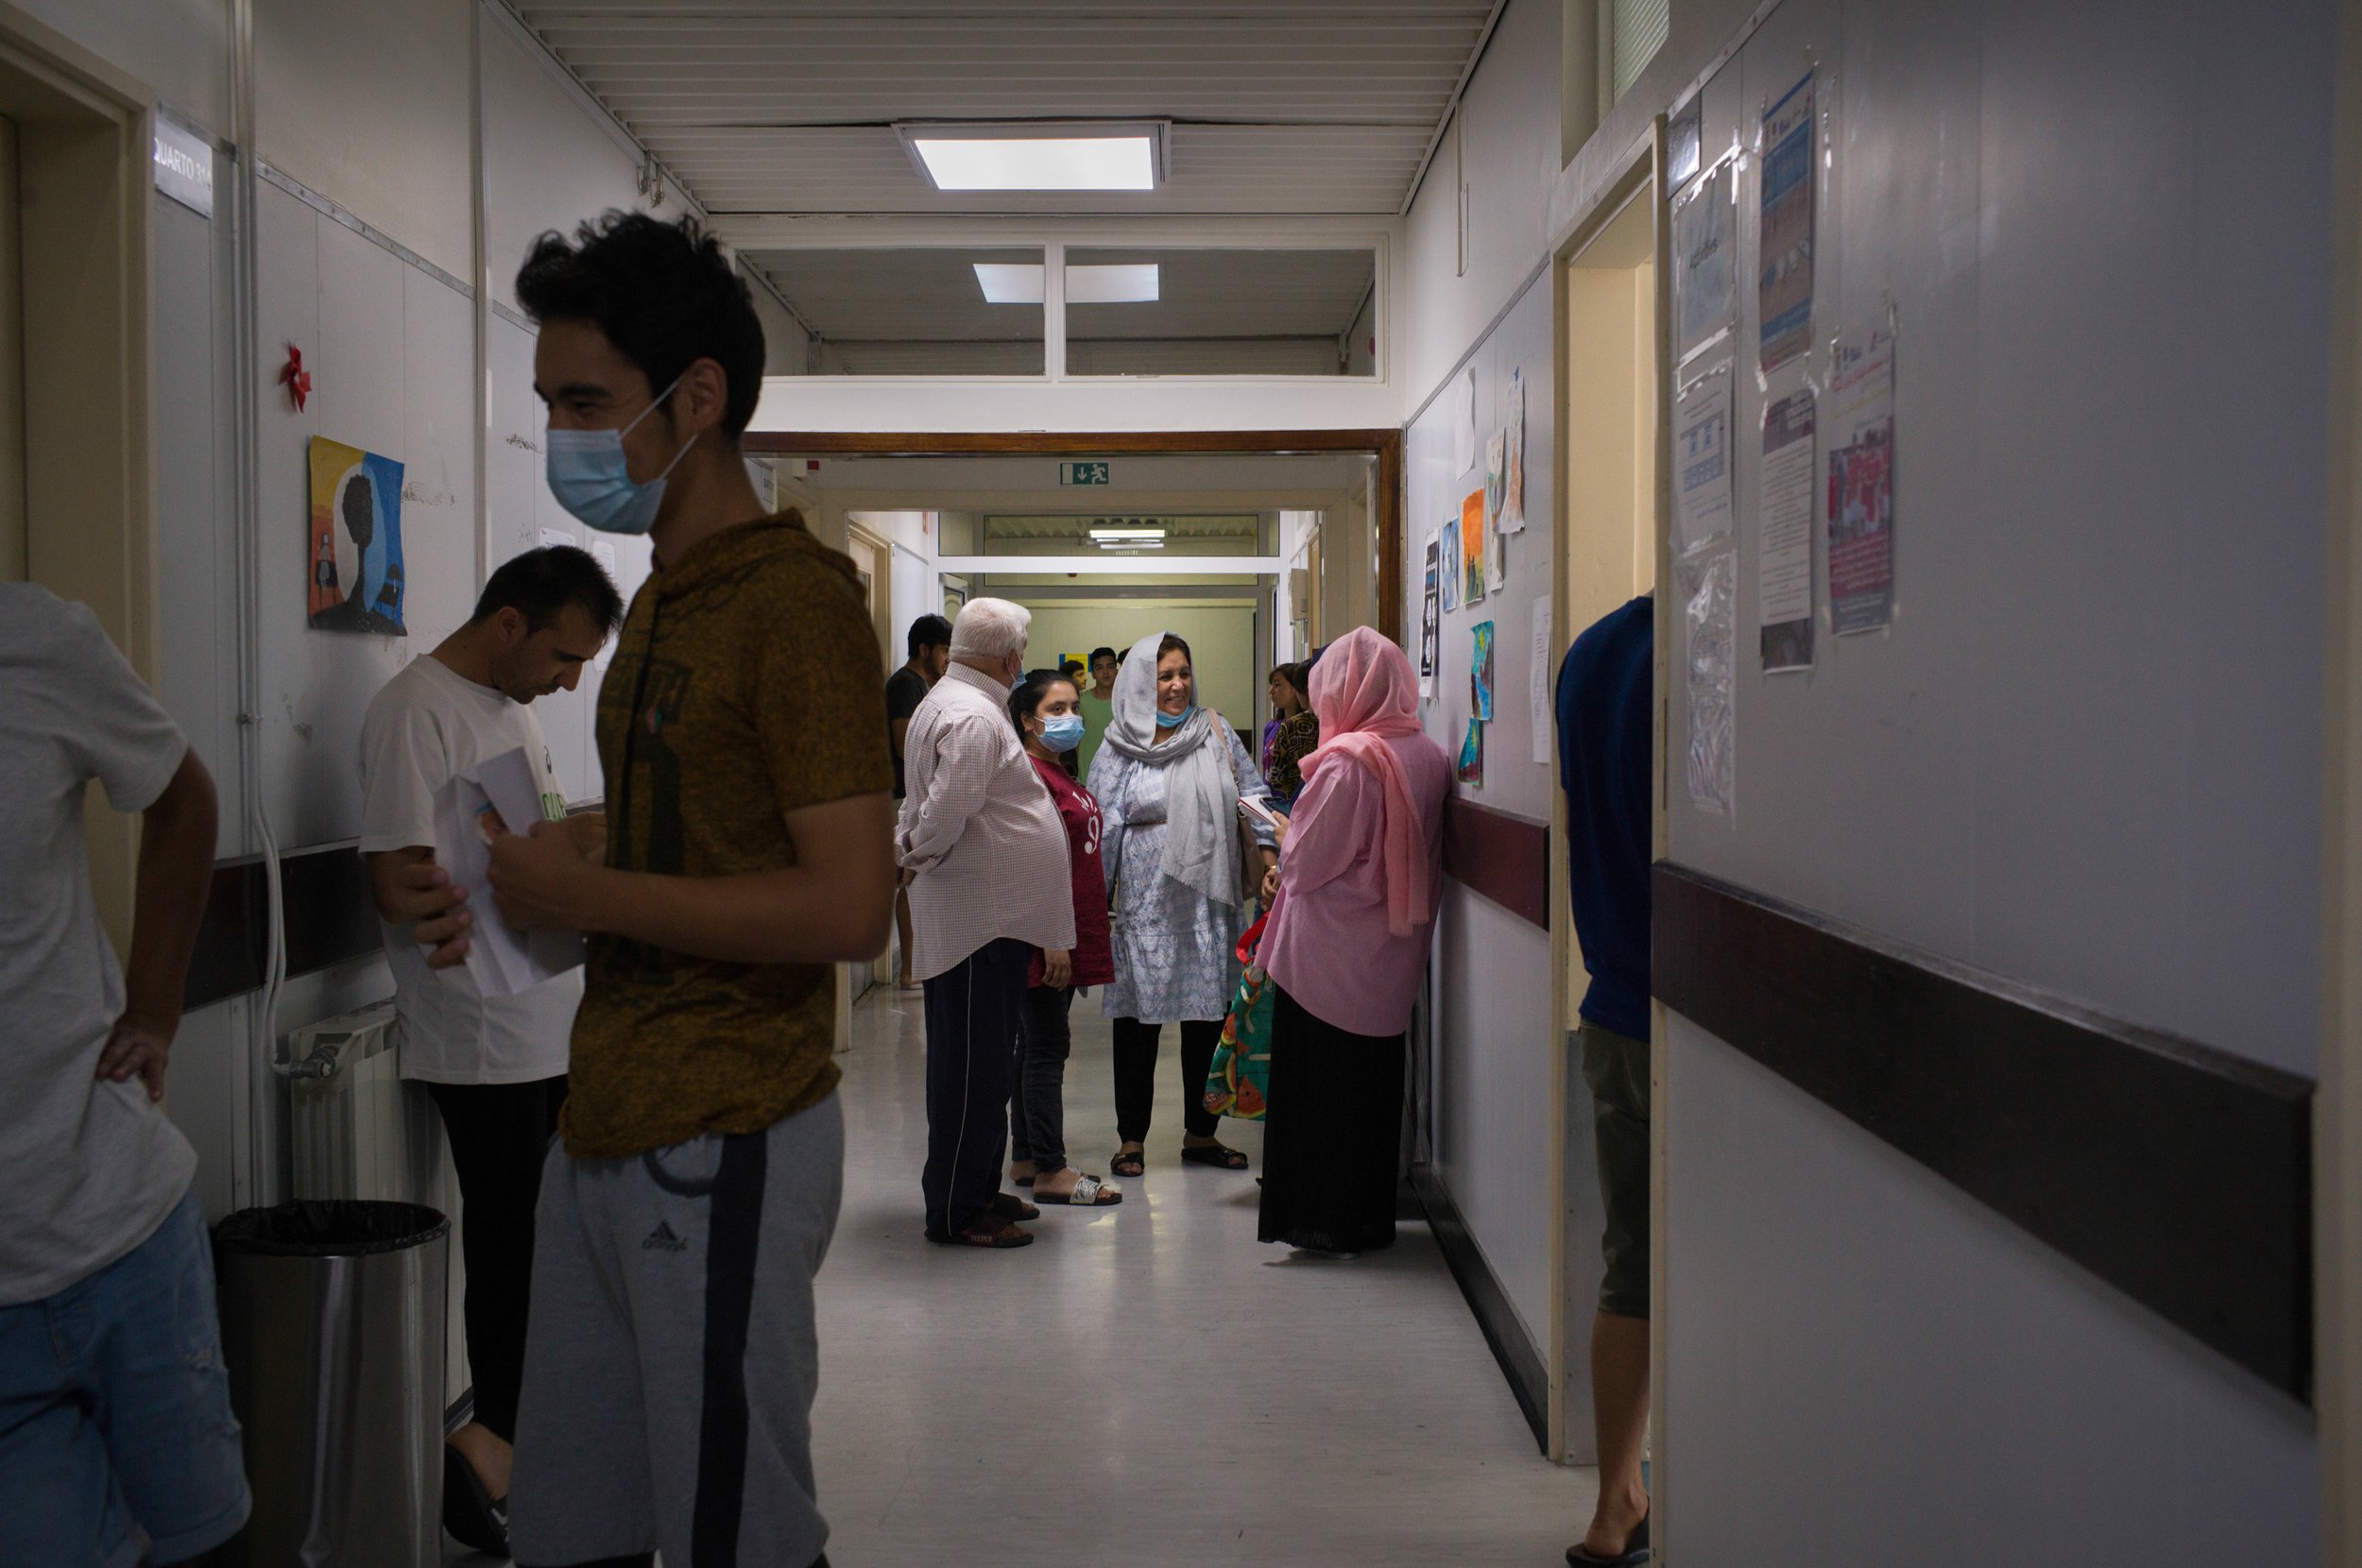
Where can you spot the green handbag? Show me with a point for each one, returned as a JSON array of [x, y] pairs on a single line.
[[1240, 1078]]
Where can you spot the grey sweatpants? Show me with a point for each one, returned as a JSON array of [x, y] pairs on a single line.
[[670, 1359]]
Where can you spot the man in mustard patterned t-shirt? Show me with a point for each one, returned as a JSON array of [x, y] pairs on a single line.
[[670, 1361]]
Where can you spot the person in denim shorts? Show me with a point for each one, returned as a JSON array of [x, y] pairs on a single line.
[[117, 1445]]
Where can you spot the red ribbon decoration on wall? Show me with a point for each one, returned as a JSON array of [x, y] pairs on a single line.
[[295, 378]]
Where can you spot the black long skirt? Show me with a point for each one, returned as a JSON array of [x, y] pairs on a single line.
[[1333, 1139]]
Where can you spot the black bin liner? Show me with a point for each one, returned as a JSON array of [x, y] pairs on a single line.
[[341, 1227]]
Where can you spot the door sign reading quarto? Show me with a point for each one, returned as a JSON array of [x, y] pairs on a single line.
[[1082, 473], [184, 167]]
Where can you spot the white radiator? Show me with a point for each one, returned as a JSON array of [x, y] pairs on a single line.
[[360, 1130]]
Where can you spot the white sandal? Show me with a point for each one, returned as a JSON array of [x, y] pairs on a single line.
[[1090, 1193]]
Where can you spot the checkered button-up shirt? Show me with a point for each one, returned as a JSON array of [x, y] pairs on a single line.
[[979, 829]]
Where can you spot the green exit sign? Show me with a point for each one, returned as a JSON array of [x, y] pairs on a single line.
[[1082, 473]]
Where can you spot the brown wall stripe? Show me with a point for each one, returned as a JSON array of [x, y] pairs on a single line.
[[2178, 1174], [1501, 854]]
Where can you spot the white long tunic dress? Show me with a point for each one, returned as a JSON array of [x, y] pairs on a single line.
[[1175, 950]]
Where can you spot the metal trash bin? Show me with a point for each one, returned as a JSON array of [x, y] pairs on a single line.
[[332, 1325]]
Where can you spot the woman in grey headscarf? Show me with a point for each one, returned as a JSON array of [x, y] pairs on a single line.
[[1168, 775]]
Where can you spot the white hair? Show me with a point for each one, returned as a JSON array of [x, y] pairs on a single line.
[[990, 628]]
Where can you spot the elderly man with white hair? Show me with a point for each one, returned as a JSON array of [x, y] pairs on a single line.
[[985, 859]]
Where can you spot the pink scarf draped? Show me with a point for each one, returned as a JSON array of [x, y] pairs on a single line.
[[1364, 694]]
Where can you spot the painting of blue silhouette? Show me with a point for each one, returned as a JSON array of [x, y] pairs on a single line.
[[355, 562]]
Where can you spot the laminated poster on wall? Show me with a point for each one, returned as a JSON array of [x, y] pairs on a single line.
[[1472, 550], [352, 570], [1702, 461], [1705, 225], [1784, 247], [1784, 540], [1539, 712], [1448, 549], [1471, 768], [604, 553], [1481, 672], [1512, 507], [1709, 618], [1430, 625], [1859, 502]]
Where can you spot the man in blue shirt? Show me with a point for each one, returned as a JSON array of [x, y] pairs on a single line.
[[1607, 693]]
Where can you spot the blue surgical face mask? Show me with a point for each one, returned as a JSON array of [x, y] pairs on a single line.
[[1174, 721], [591, 479], [1063, 733]]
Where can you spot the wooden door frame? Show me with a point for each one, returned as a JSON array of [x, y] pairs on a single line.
[[1640, 177], [85, 149], [1385, 445]]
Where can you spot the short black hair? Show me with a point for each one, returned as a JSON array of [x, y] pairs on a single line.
[[1098, 654], [541, 583], [930, 631], [1026, 700], [663, 294]]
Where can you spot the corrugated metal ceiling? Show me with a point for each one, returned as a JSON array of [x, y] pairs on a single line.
[[787, 106]]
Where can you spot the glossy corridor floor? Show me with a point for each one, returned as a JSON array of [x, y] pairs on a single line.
[[1147, 1385]]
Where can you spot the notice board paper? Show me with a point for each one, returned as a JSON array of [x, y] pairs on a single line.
[[1784, 251], [1709, 617], [1481, 672], [1784, 546], [1861, 501], [1703, 242], [1472, 550], [1448, 550], [1702, 461], [1471, 766], [471, 812], [1539, 710], [1430, 626], [1512, 508]]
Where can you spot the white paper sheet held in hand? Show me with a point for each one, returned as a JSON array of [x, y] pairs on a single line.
[[473, 811]]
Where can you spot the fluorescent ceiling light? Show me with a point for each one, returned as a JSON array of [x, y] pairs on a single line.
[[1020, 284], [1010, 282], [1127, 532], [1035, 158]]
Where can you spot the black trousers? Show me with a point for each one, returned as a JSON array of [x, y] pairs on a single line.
[[1037, 1085], [1136, 1076], [1332, 1144], [973, 1012], [500, 1134]]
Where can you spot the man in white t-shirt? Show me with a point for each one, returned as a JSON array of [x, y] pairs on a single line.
[[116, 1440], [495, 1066]]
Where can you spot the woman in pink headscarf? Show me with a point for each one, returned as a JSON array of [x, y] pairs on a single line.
[[1359, 876]]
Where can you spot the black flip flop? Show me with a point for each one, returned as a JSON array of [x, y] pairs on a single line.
[[1214, 1154], [1023, 1181], [469, 1512], [1093, 1193], [1137, 1160], [1635, 1551], [1008, 1206]]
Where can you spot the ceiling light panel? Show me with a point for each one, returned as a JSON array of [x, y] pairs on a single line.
[[1020, 284], [1049, 156]]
